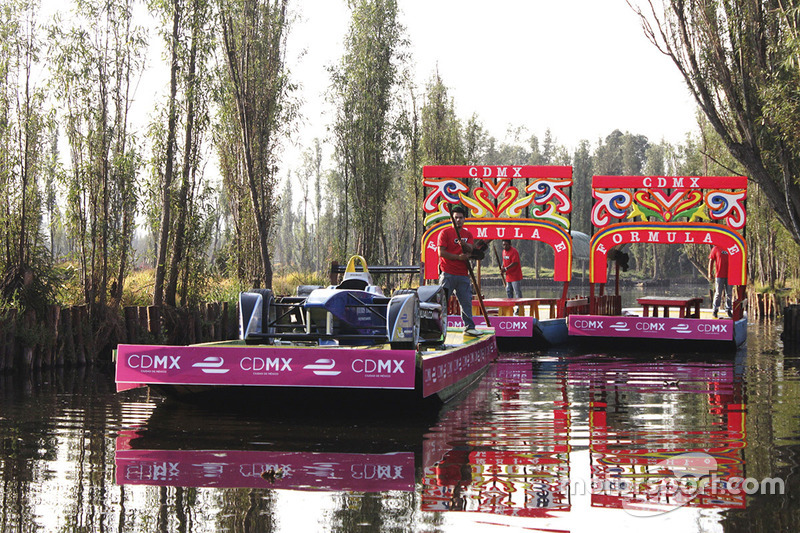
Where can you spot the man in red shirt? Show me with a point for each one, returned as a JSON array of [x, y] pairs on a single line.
[[454, 255], [512, 269], [718, 258]]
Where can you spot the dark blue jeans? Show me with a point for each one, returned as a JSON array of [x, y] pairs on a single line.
[[463, 289]]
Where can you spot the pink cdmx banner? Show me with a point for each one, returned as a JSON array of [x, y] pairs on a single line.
[[650, 327], [504, 326], [246, 468], [441, 371], [266, 366]]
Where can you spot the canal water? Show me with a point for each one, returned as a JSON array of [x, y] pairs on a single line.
[[555, 440]]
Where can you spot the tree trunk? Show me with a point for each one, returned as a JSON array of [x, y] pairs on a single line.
[[158, 289], [180, 226], [256, 75]]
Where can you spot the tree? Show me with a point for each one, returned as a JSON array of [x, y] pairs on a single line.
[[194, 85], [476, 141], [441, 131], [24, 123], [410, 192], [740, 61], [254, 35], [582, 187], [363, 86], [312, 193], [97, 59], [608, 155], [173, 8]]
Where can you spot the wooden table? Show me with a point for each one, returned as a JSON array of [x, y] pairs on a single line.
[[687, 307], [505, 306]]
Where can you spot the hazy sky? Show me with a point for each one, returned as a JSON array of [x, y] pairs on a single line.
[[579, 67]]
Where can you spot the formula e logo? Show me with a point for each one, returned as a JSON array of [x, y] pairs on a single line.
[[323, 367], [681, 328], [619, 326], [212, 365]]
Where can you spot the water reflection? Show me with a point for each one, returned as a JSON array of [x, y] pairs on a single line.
[[551, 440], [506, 450], [177, 447], [664, 434]]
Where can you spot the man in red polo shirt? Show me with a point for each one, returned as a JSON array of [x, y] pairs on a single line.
[[512, 269], [718, 258], [454, 254]]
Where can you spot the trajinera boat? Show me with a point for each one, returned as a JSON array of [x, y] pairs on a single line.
[[663, 210], [524, 202], [347, 343]]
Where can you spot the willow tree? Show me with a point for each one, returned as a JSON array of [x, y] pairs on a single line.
[[177, 150], [407, 217], [173, 11], [23, 129], [254, 36], [437, 132], [741, 62], [97, 61], [363, 84]]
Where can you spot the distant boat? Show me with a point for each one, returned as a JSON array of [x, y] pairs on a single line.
[[708, 210]]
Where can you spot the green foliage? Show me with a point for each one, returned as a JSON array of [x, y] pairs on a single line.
[[30, 287], [441, 138], [740, 61], [286, 282], [96, 56], [221, 289], [138, 288], [262, 111], [362, 90], [69, 290]]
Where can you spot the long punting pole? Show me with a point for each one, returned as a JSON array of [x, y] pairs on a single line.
[[500, 265], [471, 272]]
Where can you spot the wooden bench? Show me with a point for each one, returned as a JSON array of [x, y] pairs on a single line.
[[505, 306], [687, 307]]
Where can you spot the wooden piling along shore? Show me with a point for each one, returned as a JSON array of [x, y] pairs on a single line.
[[761, 305], [66, 337], [791, 327]]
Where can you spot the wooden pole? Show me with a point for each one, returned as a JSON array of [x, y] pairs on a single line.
[[500, 266], [224, 322], [77, 331], [131, 323]]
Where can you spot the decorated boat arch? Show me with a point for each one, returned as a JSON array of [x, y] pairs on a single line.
[[517, 202], [709, 210]]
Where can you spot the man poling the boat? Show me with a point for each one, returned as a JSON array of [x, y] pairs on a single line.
[[456, 246]]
